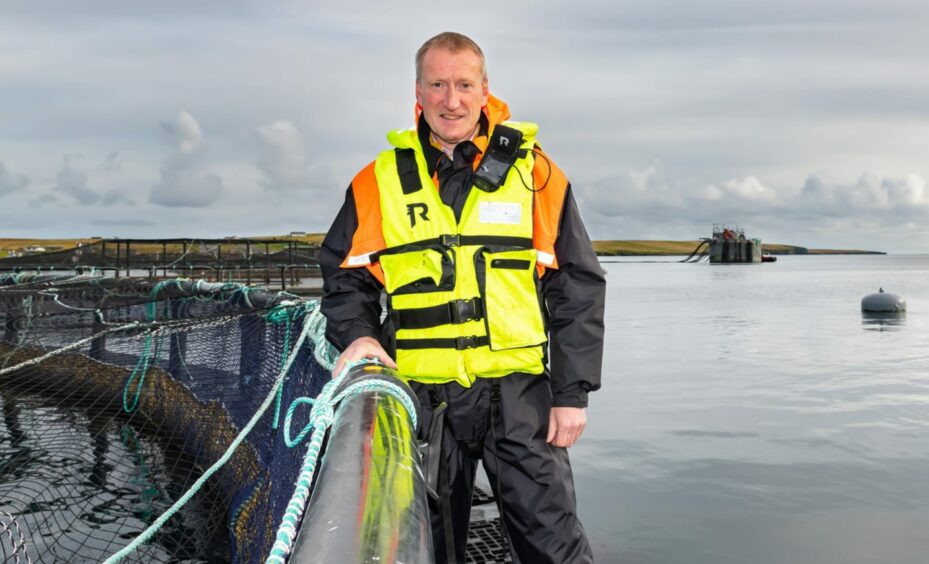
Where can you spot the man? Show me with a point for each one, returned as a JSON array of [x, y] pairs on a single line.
[[475, 236]]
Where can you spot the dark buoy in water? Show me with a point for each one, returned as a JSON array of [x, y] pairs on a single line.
[[883, 302]]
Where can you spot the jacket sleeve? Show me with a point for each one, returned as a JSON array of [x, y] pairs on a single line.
[[351, 296], [575, 295]]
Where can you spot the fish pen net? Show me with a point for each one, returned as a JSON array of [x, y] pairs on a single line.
[[117, 395]]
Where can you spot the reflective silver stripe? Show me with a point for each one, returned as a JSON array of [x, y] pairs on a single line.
[[359, 260], [544, 258]]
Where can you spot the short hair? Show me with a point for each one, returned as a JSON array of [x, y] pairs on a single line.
[[451, 41]]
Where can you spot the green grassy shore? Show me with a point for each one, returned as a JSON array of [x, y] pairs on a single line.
[[657, 248], [604, 248]]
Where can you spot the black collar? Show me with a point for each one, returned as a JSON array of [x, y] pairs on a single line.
[[432, 154]]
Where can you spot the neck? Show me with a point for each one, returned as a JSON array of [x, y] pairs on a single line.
[[449, 148]]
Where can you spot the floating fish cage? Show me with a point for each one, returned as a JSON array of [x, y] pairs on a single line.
[[160, 422]]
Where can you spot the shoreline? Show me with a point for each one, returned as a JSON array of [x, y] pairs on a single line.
[[607, 248], [637, 248]]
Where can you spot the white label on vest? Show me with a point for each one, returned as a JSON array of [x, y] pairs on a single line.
[[509, 213]]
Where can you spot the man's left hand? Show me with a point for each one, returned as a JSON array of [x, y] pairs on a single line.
[[565, 425]]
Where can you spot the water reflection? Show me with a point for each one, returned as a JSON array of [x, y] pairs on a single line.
[[747, 419], [100, 437], [99, 485], [11, 420], [883, 321]]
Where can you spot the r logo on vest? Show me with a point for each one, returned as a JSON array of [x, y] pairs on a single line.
[[411, 211]]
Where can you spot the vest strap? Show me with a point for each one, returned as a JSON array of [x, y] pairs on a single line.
[[457, 241], [451, 313], [408, 171], [457, 343]]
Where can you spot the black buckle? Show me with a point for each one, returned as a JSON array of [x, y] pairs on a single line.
[[461, 311], [495, 390], [450, 240], [462, 343]]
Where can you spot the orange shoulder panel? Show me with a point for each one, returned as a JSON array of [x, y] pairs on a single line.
[[369, 237], [551, 185]]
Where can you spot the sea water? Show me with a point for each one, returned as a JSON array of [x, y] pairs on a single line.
[[749, 415], [752, 414]]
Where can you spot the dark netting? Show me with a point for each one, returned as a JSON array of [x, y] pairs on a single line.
[[117, 395]]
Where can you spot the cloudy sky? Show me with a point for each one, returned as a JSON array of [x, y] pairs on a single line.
[[804, 121]]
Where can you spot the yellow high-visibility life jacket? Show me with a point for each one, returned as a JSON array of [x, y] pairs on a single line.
[[463, 295]]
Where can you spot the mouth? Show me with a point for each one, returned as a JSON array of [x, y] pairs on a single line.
[[451, 117]]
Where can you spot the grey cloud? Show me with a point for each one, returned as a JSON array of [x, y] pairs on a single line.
[[44, 199], [740, 101], [720, 15], [112, 163], [121, 222], [288, 174], [73, 183], [116, 196], [184, 179], [623, 202], [10, 181], [870, 195]]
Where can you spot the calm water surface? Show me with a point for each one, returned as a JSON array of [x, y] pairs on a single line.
[[750, 414]]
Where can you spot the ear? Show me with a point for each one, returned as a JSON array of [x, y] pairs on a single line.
[[419, 93], [485, 93]]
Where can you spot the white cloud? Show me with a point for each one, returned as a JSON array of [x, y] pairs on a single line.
[[185, 182], [10, 181], [281, 157], [748, 188], [870, 195], [908, 192]]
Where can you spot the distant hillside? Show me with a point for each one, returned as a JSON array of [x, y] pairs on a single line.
[[603, 248], [645, 248]]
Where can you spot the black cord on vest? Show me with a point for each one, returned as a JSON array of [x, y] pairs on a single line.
[[547, 178]]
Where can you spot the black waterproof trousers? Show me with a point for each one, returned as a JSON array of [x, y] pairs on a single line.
[[531, 479]]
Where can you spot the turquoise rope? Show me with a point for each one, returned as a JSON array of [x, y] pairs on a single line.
[[310, 326], [281, 314], [140, 371], [321, 417]]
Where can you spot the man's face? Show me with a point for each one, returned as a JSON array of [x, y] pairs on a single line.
[[451, 91]]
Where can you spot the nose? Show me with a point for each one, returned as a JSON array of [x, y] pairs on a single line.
[[451, 98]]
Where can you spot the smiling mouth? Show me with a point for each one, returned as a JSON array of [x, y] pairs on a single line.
[[451, 117]]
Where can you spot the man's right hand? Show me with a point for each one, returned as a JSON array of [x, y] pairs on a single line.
[[363, 347]]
